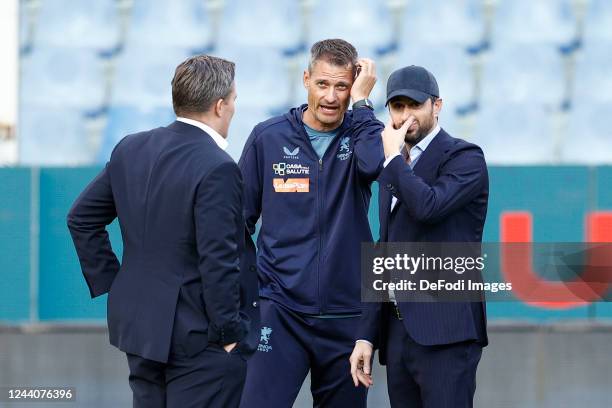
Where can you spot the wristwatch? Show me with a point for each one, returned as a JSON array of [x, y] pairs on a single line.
[[363, 102]]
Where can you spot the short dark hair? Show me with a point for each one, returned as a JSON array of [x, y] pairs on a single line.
[[199, 82], [335, 51]]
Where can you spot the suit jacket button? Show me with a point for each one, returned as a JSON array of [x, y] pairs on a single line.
[[389, 186], [253, 268], [255, 304]]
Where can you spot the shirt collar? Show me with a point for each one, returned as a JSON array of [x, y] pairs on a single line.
[[219, 140], [422, 145]]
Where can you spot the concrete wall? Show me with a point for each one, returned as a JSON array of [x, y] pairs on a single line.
[[561, 366]]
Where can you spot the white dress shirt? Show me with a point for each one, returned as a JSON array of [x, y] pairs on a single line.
[[219, 140]]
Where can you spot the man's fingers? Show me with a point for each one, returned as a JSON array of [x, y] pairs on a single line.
[[361, 369], [407, 124], [354, 370], [364, 379], [389, 125], [367, 65], [366, 364], [372, 68]]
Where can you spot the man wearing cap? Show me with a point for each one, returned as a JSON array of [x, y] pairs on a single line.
[[433, 188]]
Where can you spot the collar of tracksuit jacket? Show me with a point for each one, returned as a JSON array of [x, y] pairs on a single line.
[[314, 216]]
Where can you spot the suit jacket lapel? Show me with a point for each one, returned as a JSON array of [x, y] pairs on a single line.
[[426, 166]]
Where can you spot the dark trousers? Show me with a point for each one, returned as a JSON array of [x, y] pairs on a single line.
[[291, 344], [212, 378], [420, 376]]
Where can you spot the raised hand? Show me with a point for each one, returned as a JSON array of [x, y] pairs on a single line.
[[365, 81]]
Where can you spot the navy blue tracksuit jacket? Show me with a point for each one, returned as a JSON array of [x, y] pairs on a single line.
[[314, 211]]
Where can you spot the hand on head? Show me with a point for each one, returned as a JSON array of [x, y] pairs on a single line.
[[365, 80]]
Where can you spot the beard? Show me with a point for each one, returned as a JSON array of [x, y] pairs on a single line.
[[422, 130]]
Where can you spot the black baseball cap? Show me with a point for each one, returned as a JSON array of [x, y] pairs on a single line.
[[413, 82]]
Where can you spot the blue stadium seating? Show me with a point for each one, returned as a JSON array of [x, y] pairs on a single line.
[[160, 23], [528, 73], [68, 77], [64, 65], [297, 92], [589, 136], [364, 23], [53, 136], [514, 133], [262, 77], [67, 23], [242, 124], [438, 22], [593, 73], [124, 120], [143, 76], [274, 23], [530, 21], [599, 21]]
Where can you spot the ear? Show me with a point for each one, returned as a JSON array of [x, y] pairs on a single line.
[[437, 106], [306, 79], [219, 106]]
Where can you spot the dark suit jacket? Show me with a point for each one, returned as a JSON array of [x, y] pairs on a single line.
[[178, 198], [444, 199]]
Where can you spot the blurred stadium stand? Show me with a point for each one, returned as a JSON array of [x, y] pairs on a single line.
[[460, 23], [101, 61], [528, 21]]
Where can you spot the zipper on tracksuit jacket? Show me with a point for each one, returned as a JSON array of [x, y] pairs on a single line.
[[320, 212]]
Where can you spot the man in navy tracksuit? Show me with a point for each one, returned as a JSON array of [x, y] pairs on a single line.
[[308, 174]]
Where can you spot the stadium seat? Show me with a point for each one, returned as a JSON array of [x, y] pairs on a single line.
[[124, 120], [67, 23], [67, 77], [143, 76], [53, 136], [363, 23], [242, 124], [262, 74], [451, 66], [593, 79], [274, 23], [523, 74], [589, 136], [441, 22], [529, 21], [514, 133], [159, 23], [598, 25]]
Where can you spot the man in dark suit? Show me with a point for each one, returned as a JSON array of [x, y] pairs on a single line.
[[182, 301], [433, 188]]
